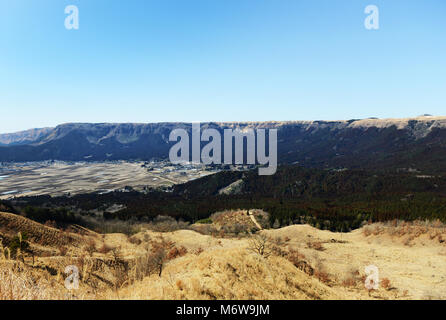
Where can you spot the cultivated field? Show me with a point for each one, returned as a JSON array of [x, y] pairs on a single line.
[[61, 178]]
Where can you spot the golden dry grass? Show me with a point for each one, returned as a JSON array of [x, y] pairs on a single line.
[[19, 282], [11, 224], [302, 263], [229, 274]]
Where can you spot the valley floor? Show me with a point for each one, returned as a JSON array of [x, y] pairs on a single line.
[[61, 178]]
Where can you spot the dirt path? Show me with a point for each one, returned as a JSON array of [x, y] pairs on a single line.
[[255, 221]]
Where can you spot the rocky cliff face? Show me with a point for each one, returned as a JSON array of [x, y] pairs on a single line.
[[24, 137], [403, 143]]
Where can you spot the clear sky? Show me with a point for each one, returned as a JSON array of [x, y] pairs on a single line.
[[219, 60]]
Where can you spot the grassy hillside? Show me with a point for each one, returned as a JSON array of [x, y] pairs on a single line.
[[295, 262]]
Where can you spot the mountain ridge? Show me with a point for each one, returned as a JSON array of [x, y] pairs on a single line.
[[418, 143], [33, 135]]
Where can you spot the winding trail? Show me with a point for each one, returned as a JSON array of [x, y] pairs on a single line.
[[254, 220]]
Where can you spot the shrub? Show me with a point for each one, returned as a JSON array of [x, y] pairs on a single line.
[[349, 282], [158, 255], [385, 283], [135, 240], [366, 231], [90, 246], [298, 260], [278, 241], [176, 252], [352, 277], [19, 244], [199, 251], [205, 221], [207, 229], [180, 284], [322, 275], [63, 251], [105, 249], [295, 257], [316, 245], [166, 224]]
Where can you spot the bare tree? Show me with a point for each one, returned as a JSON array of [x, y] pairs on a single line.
[[159, 253], [261, 245]]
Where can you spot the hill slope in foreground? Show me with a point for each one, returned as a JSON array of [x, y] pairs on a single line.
[[299, 262]]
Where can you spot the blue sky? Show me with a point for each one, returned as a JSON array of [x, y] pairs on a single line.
[[219, 60]]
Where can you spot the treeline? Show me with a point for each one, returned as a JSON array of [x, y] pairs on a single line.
[[60, 216]]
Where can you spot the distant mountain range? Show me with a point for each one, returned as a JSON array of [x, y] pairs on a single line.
[[417, 143]]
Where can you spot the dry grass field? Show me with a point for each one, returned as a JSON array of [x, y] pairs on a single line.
[[295, 262]]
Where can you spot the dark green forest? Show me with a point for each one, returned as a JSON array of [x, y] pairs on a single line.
[[337, 200]]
